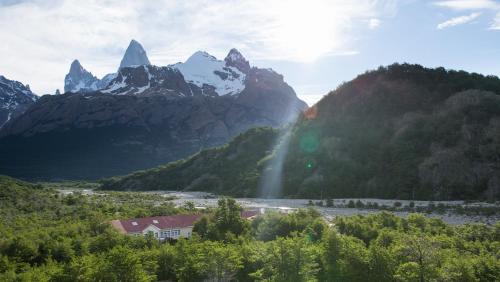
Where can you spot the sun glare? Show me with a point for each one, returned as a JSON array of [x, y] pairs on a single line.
[[305, 30]]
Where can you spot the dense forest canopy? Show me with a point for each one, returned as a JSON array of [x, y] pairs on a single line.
[[48, 236]]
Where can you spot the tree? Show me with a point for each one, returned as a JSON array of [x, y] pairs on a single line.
[[125, 265], [223, 261], [382, 263], [353, 263], [291, 259], [225, 223], [331, 246], [166, 263], [420, 251]]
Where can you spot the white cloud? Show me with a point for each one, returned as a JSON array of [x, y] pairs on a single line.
[[458, 20], [469, 4], [496, 22], [41, 38], [373, 23]]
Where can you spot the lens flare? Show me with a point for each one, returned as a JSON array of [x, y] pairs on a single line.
[[309, 142], [271, 182]]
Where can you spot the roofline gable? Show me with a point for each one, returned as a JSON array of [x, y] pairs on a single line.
[[156, 228]]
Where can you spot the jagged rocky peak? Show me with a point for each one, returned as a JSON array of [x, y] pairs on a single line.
[[79, 79], [12, 88], [76, 68], [235, 59], [134, 55], [15, 98]]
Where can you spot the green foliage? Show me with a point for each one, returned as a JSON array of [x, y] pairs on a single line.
[[225, 224], [273, 224], [373, 136], [290, 259], [68, 238], [233, 169]]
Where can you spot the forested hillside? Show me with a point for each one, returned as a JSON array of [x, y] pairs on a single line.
[[48, 236], [232, 169], [402, 131]]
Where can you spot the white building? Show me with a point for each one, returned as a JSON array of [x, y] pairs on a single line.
[[164, 227]]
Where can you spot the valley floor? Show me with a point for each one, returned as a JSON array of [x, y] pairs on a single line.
[[452, 212]]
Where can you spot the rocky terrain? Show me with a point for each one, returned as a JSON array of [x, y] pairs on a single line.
[[15, 99], [135, 55], [80, 80]]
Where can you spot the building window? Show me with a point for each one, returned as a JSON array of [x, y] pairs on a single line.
[[176, 232], [166, 233]]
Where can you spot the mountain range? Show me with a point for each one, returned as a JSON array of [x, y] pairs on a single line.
[[402, 131], [142, 115]]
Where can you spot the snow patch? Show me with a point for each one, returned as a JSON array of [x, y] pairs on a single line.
[[202, 68], [116, 86]]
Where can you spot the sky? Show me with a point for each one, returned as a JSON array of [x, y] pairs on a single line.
[[315, 44]]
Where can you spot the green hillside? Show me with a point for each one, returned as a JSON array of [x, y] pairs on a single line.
[[231, 169], [402, 131]]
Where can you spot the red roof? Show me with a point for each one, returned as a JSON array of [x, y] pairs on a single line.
[[249, 214], [164, 222]]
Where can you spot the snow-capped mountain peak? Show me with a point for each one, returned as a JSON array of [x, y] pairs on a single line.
[[15, 98], [203, 69], [79, 79], [235, 59], [134, 55], [76, 68]]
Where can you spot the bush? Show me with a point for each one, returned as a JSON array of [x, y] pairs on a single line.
[[351, 204], [329, 203], [359, 204]]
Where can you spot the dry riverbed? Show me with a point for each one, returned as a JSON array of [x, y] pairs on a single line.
[[448, 211]]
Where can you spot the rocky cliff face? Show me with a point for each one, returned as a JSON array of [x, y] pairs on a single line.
[[235, 59], [134, 56], [79, 79], [144, 116], [15, 98]]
